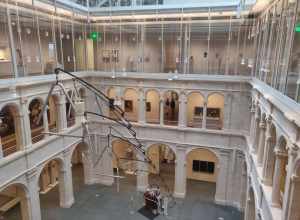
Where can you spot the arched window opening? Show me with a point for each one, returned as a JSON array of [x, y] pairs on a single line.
[[8, 130], [36, 123], [195, 107], [215, 111], [152, 107], [171, 108]]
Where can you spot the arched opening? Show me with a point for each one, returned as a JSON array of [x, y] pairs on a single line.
[[50, 180], [78, 167], [195, 106], [270, 157], [283, 164], [14, 203], [112, 94], [131, 104], [162, 169], [70, 111], [36, 123], [124, 163], [202, 173], [215, 111], [152, 107], [52, 113], [171, 108], [9, 130]]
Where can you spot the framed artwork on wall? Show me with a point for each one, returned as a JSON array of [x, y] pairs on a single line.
[[213, 113], [198, 111], [148, 106], [128, 105]]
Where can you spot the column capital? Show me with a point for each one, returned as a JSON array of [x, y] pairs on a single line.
[[279, 153], [269, 119], [293, 149], [262, 125]]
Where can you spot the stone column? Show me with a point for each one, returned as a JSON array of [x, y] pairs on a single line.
[[204, 114], [34, 209], [279, 163], [142, 174], [161, 111], [182, 109], [142, 110], [222, 170], [261, 142], [61, 113], [180, 172], [256, 132], [79, 111], [289, 191], [267, 163], [66, 183], [45, 122], [24, 126]]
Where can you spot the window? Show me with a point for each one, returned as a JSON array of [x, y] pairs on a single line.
[[203, 166]]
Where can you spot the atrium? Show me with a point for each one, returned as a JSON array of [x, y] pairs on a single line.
[[149, 109]]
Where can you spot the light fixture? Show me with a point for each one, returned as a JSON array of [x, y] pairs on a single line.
[[28, 30]]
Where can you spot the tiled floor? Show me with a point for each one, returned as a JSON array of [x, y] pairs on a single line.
[[98, 202]]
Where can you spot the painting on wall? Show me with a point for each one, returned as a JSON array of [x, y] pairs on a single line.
[[213, 113], [148, 106], [128, 106], [198, 111]]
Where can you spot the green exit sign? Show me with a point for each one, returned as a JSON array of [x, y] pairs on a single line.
[[95, 36], [297, 28]]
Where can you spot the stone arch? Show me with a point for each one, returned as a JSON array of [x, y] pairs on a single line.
[[81, 165], [215, 110], [162, 167], [53, 175], [10, 130], [36, 118], [123, 156], [205, 155], [171, 107], [152, 106], [70, 111], [131, 105], [195, 109], [13, 194]]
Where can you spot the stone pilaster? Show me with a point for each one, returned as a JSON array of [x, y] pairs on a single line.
[[180, 172], [142, 104], [267, 163], [161, 111], [256, 132], [279, 166], [261, 143], [204, 114], [61, 113]]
